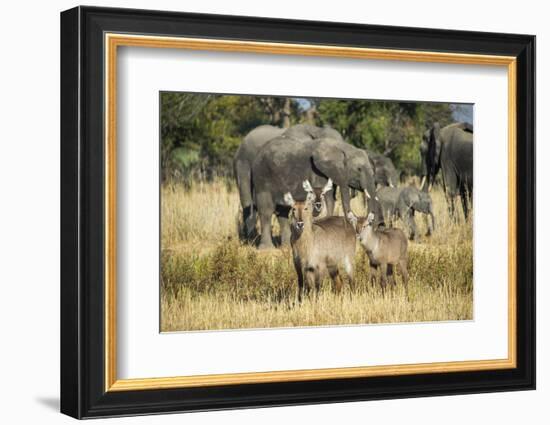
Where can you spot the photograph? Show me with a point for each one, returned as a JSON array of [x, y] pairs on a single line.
[[282, 212], [289, 209]]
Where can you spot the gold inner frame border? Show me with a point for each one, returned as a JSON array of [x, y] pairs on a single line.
[[112, 41]]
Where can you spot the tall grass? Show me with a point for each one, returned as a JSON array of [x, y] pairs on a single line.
[[212, 281]]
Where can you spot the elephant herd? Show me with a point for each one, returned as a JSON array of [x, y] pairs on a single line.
[[272, 162]]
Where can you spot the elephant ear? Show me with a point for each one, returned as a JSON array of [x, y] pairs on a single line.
[[331, 161], [465, 126]]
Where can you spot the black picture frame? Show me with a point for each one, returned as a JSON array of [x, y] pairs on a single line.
[[83, 392]]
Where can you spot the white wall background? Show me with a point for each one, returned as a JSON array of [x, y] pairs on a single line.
[[29, 211]]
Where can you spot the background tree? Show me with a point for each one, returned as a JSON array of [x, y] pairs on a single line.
[[392, 128], [201, 132], [278, 109]]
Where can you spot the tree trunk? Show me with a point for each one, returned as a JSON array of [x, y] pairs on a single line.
[[276, 117], [311, 115], [286, 113]]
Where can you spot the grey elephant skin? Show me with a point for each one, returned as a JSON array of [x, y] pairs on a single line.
[[385, 173], [310, 132], [242, 166], [281, 167], [403, 203], [449, 150], [247, 152], [305, 132]]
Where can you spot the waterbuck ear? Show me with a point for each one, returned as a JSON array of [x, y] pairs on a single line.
[[307, 186], [327, 187], [289, 200], [352, 219]]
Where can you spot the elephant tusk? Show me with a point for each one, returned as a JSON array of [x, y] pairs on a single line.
[[391, 184], [367, 194], [423, 182]]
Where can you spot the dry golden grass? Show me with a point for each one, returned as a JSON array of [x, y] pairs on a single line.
[[212, 281]]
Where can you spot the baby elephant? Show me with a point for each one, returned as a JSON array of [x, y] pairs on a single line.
[[386, 249], [402, 203]]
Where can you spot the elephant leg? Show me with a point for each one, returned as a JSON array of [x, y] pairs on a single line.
[[285, 230], [428, 224], [465, 201], [374, 206], [243, 175], [249, 220], [284, 225], [450, 185], [330, 201], [345, 193], [266, 210], [410, 223], [431, 222], [451, 207]]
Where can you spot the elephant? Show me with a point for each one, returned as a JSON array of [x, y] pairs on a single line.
[[242, 167], [303, 132], [449, 149], [403, 202], [385, 173], [247, 151], [281, 167]]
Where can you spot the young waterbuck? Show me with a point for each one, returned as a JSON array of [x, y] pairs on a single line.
[[386, 249], [319, 246]]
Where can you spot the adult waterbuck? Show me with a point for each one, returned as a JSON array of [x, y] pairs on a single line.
[[319, 246]]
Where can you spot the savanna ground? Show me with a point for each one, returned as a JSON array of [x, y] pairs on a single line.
[[210, 280]]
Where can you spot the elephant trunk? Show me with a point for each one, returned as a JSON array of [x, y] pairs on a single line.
[[346, 199], [368, 185], [371, 200]]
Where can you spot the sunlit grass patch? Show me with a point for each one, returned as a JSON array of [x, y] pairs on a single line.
[[212, 281]]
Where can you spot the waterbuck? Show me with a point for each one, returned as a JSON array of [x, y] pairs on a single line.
[[319, 246], [386, 249]]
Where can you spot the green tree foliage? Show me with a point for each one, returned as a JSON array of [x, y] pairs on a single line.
[[201, 132], [392, 128]]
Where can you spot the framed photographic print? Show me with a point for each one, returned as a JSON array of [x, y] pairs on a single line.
[[261, 212]]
